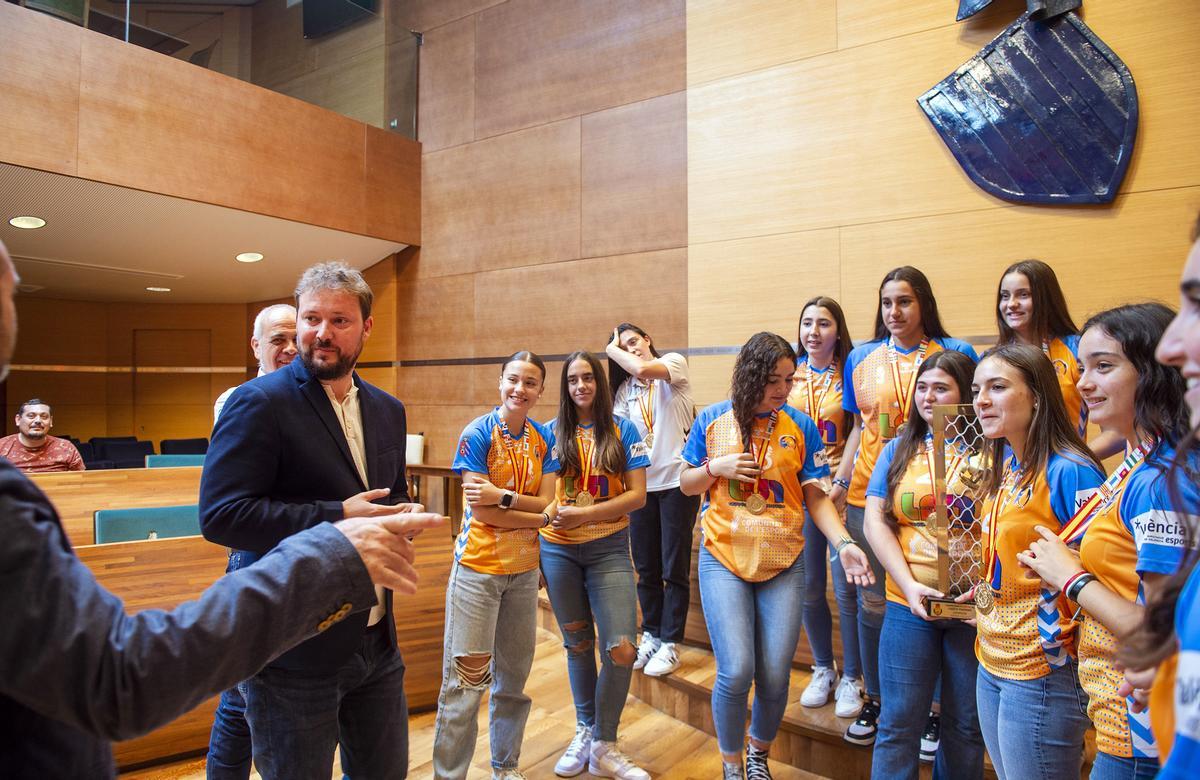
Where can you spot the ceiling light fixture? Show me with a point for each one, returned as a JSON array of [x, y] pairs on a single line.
[[27, 223], [249, 257], [158, 289]]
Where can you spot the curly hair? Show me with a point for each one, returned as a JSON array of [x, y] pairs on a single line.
[[751, 371]]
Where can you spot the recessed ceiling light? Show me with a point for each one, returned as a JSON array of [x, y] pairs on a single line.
[[159, 289], [27, 223], [249, 257]]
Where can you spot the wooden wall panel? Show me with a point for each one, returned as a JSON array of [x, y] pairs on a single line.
[[442, 426], [861, 22], [447, 76], [54, 332], [77, 494], [710, 375], [425, 15], [635, 177], [351, 87], [421, 619], [435, 316], [40, 84], [738, 288], [583, 57], [1132, 252], [726, 39], [580, 305], [436, 385], [506, 201], [381, 345], [393, 184]]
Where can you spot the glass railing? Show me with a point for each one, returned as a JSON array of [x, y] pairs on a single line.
[[337, 54]]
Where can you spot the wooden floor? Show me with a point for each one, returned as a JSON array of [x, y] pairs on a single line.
[[667, 748]]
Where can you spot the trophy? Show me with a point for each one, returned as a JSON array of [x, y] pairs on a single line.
[[959, 472]]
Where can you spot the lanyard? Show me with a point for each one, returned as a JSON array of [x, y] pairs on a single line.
[[1003, 498], [518, 456], [646, 405], [815, 402], [760, 453], [904, 390], [587, 448], [1072, 533]]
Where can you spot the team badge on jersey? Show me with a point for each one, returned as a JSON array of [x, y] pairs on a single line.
[[464, 447], [787, 441]]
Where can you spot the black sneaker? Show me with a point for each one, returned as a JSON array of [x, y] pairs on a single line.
[[931, 738], [863, 730], [756, 764]]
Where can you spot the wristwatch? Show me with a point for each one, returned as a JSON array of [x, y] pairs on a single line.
[[506, 500]]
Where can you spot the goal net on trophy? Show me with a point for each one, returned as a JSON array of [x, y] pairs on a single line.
[[960, 465]]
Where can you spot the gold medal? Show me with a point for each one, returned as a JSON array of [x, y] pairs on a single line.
[[984, 600], [649, 440], [756, 504], [584, 499]]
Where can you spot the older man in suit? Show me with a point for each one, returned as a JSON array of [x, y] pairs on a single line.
[[76, 671], [310, 443]]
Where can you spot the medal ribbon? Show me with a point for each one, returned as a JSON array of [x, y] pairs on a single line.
[[587, 448], [1003, 497], [815, 402], [904, 393], [646, 405], [1072, 533], [760, 453], [518, 457]]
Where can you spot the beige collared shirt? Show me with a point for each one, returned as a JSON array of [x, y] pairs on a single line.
[[349, 415]]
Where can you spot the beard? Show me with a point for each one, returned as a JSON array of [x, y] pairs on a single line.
[[326, 372]]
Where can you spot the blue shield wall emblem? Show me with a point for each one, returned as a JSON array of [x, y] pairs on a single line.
[[1045, 113]]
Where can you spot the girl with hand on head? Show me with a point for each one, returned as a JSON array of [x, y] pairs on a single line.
[[1031, 309], [507, 464], [759, 464], [900, 500], [824, 343], [1128, 546], [652, 391], [1165, 649], [1031, 709], [586, 564], [880, 379]]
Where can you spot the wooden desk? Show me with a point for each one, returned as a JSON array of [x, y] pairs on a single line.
[[77, 494], [449, 498]]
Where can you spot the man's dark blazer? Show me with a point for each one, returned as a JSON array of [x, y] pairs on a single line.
[[279, 463]]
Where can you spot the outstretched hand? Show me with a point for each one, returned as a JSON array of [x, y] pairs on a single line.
[[385, 545]]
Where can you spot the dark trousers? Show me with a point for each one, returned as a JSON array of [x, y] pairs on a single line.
[[298, 719], [660, 534]]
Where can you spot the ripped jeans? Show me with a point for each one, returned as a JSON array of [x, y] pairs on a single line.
[[491, 630], [587, 582]]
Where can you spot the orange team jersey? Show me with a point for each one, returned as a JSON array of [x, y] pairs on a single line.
[[874, 392], [756, 547], [914, 501], [1162, 707], [1133, 533], [602, 485], [482, 448], [1064, 355], [826, 394], [1027, 632]]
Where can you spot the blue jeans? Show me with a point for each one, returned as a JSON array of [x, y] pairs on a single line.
[[917, 653], [298, 719], [818, 622], [1107, 767], [491, 615], [1034, 728], [871, 601], [229, 743], [594, 580], [753, 627]]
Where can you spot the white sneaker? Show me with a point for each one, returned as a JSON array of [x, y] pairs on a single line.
[[646, 650], [820, 687], [507, 774], [576, 757], [607, 761], [664, 661], [849, 698]]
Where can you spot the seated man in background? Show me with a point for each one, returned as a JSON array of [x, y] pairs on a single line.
[[33, 450], [273, 344]]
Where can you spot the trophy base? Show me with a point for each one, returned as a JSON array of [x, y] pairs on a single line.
[[949, 609]]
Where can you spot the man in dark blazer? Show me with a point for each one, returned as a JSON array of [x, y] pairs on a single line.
[[76, 671], [308, 444]]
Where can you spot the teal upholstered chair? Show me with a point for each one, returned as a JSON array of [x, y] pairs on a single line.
[[168, 461], [151, 522]]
